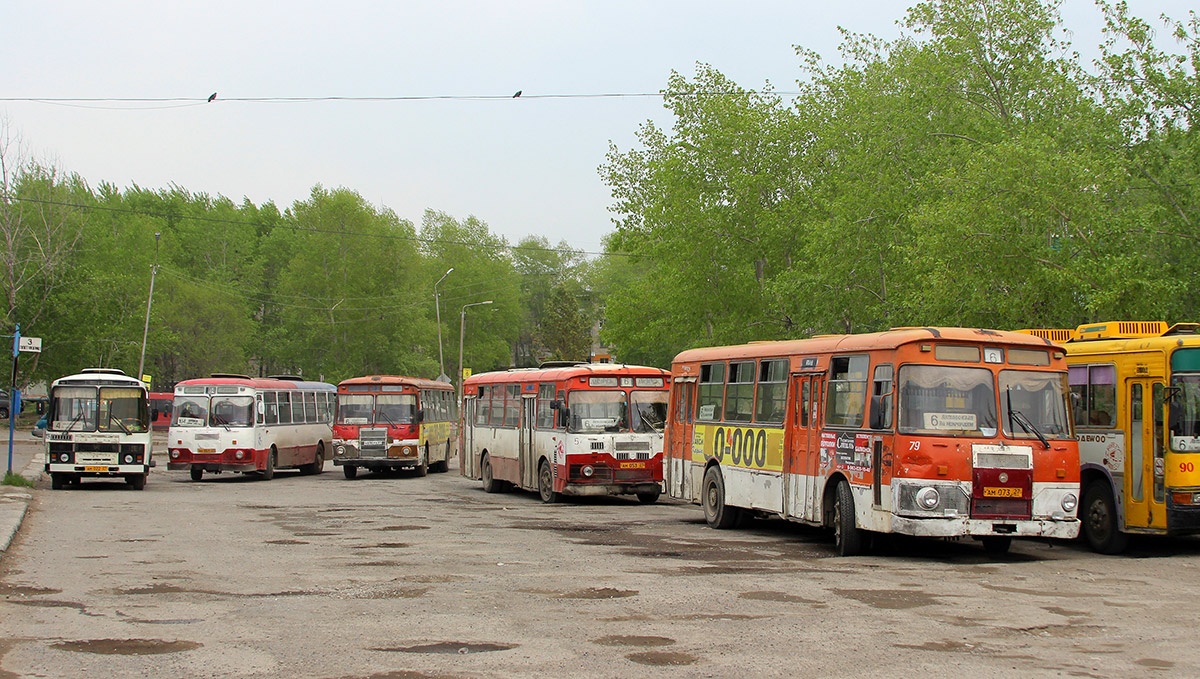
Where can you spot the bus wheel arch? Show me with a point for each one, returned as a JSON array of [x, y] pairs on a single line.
[[545, 480], [849, 539], [268, 471], [1100, 524], [487, 475]]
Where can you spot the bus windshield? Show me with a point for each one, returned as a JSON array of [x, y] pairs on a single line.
[[1033, 403], [365, 409], [111, 409], [947, 400], [1185, 412], [596, 412], [232, 411], [649, 411], [190, 411]]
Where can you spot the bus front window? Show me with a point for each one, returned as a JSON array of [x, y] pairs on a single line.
[[232, 411], [190, 411], [395, 409], [596, 412], [649, 411], [123, 409], [1185, 413], [1033, 403], [354, 408], [73, 409], [947, 401]]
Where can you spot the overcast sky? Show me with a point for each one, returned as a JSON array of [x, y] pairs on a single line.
[[525, 166]]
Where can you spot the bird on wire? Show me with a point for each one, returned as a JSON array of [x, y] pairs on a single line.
[[212, 96], [517, 94]]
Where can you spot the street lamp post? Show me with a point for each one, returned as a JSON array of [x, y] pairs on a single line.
[[149, 301], [462, 324], [437, 303]]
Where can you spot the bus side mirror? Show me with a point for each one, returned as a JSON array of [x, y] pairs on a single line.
[[261, 408], [420, 414], [877, 414], [556, 405]]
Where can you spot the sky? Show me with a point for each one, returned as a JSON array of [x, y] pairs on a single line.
[[525, 166]]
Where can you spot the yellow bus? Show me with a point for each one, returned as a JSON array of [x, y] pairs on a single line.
[[1135, 394]]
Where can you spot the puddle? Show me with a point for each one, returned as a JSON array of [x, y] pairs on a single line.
[[385, 545], [391, 528], [126, 646], [26, 590], [777, 596], [1156, 664], [662, 658], [284, 542], [599, 593], [620, 640], [449, 647], [889, 599]]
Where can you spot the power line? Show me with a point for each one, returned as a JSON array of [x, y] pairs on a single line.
[[430, 97], [303, 229]]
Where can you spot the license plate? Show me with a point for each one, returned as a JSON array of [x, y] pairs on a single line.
[[633, 465], [1002, 492], [95, 469], [207, 450]]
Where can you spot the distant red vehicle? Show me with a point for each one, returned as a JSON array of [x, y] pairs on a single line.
[[160, 410]]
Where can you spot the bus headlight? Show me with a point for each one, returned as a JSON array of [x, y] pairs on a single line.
[[239, 454], [65, 457], [1069, 502], [174, 454], [128, 459], [928, 498], [341, 450], [587, 470]]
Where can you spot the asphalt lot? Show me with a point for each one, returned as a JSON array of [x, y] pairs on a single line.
[[404, 577]]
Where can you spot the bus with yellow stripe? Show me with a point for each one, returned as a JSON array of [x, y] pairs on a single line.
[[1135, 392], [940, 432]]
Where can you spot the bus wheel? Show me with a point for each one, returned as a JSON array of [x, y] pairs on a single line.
[[269, 472], [350, 471], [1099, 516], [712, 498], [58, 481], [490, 484], [650, 497], [846, 533], [318, 464], [136, 481], [996, 545], [546, 484], [422, 467]]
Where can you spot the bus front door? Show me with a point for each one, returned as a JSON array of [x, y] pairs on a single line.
[[527, 456], [802, 454], [1145, 494], [678, 462]]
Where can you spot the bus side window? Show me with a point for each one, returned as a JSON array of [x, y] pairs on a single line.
[[845, 393], [803, 403], [272, 414], [561, 420]]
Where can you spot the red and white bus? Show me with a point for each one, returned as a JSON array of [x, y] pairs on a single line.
[[388, 422], [917, 431], [570, 429], [235, 423]]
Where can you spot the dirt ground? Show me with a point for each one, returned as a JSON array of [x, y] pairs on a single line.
[[403, 577]]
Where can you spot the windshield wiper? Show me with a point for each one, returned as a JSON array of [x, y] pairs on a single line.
[[1025, 423], [113, 418], [387, 419], [71, 426], [217, 419]]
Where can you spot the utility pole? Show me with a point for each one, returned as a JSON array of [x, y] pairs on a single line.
[[442, 377], [149, 301]]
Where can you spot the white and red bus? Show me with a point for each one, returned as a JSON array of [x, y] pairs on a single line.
[[235, 423], [570, 429], [917, 431], [388, 422], [98, 425]]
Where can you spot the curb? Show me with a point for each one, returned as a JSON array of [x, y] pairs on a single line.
[[14, 503]]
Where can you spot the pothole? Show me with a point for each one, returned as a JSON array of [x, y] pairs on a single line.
[[126, 646], [662, 658], [449, 648], [633, 640]]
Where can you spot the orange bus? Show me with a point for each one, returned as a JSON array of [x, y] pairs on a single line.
[[917, 431], [566, 429], [388, 422]]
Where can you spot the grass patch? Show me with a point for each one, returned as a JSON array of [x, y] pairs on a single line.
[[15, 479]]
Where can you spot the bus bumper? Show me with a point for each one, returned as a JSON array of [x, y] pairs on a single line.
[[580, 489], [97, 470], [963, 527], [215, 467]]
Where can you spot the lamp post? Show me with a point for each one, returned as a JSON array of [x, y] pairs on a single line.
[[149, 301], [437, 303], [462, 324]]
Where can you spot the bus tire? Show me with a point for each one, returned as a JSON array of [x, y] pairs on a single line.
[[350, 471], [422, 467], [546, 484], [712, 499], [197, 473], [57, 481], [996, 545], [650, 497], [318, 464], [442, 466], [490, 484], [269, 472], [847, 536], [1099, 516], [3, 413], [136, 481]]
